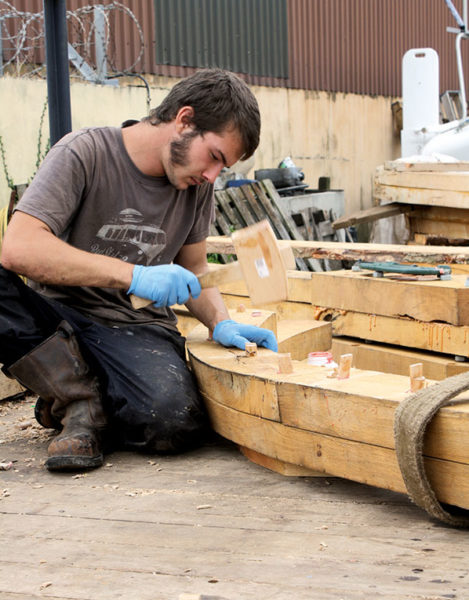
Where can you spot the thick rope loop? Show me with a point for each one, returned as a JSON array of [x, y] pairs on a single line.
[[410, 422]]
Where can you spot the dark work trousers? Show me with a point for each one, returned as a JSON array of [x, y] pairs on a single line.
[[149, 394]]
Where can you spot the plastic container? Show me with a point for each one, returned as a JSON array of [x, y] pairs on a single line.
[[321, 359]]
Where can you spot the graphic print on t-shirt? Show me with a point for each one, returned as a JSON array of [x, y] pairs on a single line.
[[130, 239]]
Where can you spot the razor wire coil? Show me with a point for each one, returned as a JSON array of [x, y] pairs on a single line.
[[22, 38]]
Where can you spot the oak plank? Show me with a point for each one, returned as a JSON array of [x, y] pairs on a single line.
[[415, 196], [371, 214], [432, 167], [448, 181], [361, 251], [439, 300], [436, 337]]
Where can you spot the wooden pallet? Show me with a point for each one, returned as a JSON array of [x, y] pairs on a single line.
[[238, 207]]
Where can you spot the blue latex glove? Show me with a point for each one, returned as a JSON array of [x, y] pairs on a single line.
[[165, 285], [230, 333]]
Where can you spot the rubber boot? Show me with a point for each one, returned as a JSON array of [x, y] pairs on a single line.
[[69, 396]]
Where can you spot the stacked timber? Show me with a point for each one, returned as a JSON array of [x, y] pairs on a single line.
[[386, 324], [433, 196]]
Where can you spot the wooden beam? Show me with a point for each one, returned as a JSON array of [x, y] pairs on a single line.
[[372, 214], [445, 301], [436, 337], [424, 197], [452, 181], [432, 167], [366, 463], [353, 252]]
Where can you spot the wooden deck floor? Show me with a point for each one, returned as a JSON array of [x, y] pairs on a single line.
[[209, 523]]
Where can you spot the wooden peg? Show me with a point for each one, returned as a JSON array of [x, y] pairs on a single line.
[[285, 364], [241, 308], [251, 349], [345, 364], [417, 380]]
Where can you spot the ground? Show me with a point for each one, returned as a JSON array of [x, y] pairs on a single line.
[[208, 525]]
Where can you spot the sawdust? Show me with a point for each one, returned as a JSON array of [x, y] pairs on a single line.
[[17, 422]]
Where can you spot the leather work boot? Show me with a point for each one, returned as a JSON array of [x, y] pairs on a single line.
[[69, 398], [42, 412]]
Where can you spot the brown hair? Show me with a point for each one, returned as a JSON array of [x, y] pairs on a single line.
[[220, 99]]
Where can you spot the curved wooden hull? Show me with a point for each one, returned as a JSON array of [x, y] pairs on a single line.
[[311, 419]]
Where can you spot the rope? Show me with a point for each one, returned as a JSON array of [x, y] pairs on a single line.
[[410, 422]]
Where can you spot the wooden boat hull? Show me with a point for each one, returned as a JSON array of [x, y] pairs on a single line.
[[313, 420]]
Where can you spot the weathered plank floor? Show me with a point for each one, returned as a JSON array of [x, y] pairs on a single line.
[[209, 523]]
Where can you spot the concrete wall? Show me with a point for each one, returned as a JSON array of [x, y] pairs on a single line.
[[340, 136]]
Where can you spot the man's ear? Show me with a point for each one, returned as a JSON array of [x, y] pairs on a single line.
[[184, 117]]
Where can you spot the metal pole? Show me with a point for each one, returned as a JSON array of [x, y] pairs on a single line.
[[1, 46], [100, 38], [58, 81]]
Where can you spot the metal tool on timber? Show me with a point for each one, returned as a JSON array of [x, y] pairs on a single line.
[[260, 263], [442, 272]]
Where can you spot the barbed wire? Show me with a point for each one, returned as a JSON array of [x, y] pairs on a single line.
[[22, 39]]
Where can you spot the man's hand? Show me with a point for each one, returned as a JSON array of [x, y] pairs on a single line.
[[164, 285], [230, 333]]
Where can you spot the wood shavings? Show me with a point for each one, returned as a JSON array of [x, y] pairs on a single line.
[[44, 585], [140, 492]]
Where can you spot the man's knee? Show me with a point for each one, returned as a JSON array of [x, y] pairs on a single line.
[[171, 428]]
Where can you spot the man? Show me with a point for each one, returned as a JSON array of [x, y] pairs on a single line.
[[113, 212]]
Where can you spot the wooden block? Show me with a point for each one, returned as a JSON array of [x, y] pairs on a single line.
[[285, 364], [279, 466], [345, 364], [251, 349], [416, 370], [417, 380], [9, 387]]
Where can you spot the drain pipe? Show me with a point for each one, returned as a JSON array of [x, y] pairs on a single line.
[[462, 85], [58, 81], [463, 34]]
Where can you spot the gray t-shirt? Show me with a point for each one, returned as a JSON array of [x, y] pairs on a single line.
[[91, 195]]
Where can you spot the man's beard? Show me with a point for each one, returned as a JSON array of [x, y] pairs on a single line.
[[179, 149]]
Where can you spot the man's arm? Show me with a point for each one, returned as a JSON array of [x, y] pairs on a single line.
[[30, 248], [209, 307]]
